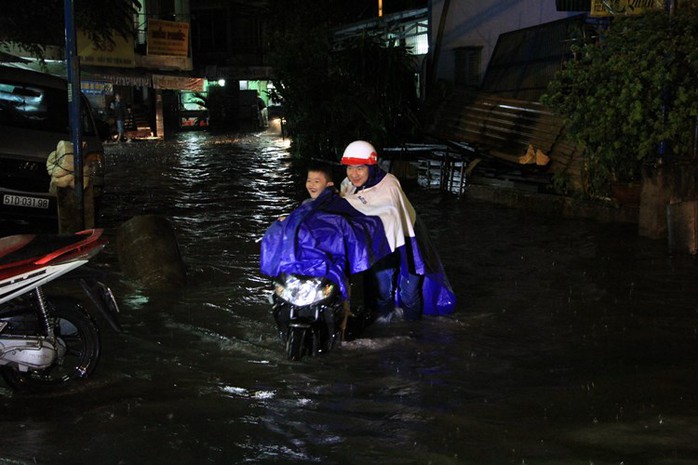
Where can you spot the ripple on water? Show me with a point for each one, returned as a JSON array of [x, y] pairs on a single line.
[[570, 340]]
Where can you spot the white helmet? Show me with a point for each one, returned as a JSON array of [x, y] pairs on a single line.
[[359, 152]]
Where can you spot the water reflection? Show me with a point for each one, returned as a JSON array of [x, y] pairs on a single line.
[[574, 342]]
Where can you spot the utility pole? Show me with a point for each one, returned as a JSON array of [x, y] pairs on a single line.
[[73, 75], [436, 52]]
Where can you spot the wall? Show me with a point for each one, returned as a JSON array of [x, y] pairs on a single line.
[[478, 23]]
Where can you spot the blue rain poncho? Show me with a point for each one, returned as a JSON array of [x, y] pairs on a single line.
[[326, 238], [333, 237]]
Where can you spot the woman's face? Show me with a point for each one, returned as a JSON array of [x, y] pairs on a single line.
[[357, 174]]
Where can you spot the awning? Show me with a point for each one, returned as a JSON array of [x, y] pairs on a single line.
[[124, 78], [191, 84]]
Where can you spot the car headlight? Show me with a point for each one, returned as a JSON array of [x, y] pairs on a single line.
[[303, 291]]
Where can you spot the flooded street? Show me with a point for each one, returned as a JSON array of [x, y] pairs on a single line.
[[573, 342]]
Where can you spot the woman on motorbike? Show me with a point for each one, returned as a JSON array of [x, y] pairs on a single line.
[[374, 192]]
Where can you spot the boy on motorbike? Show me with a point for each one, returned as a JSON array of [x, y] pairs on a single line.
[[323, 237], [319, 178]]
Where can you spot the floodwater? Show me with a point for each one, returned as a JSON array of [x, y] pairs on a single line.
[[573, 342]]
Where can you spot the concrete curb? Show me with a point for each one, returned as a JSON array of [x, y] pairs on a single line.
[[567, 207]]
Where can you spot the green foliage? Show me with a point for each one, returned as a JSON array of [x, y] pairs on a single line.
[[331, 96], [628, 91], [37, 23]]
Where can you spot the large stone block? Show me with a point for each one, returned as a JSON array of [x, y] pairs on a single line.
[[682, 225], [666, 185], [148, 252]]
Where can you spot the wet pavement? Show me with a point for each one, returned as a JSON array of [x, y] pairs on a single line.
[[573, 342]]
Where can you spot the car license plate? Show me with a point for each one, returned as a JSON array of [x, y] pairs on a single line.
[[24, 201]]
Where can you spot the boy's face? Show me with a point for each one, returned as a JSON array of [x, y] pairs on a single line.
[[316, 183]]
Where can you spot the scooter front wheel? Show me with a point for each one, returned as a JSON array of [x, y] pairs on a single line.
[[295, 342], [78, 333]]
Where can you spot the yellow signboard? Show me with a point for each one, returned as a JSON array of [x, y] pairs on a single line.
[[168, 38], [601, 8], [119, 54]]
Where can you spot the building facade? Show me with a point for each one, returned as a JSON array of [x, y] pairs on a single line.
[[464, 33]]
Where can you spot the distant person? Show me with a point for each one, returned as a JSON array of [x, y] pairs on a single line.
[[119, 110], [262, 112]]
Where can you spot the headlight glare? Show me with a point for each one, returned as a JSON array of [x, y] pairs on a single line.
[[303, 291]]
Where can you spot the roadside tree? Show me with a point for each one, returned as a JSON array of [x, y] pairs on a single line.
[[332, 92], [34, 24], [630, 96]]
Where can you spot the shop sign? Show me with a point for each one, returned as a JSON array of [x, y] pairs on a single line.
[[96, 87], [119, 53], [190, 84], [168, 38], [601, 8]]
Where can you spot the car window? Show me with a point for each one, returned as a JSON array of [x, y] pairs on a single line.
[[38, 108]]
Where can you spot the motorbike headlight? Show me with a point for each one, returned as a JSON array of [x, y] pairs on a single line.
[[303, 291]]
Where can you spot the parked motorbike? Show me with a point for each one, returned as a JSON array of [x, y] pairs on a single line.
[[48, 341], [312, 317]]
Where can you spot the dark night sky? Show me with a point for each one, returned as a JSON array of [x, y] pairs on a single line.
[[356, 10], [391, 6]]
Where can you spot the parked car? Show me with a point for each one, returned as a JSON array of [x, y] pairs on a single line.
[[33, 119]]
